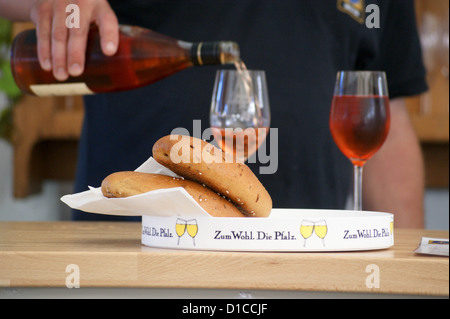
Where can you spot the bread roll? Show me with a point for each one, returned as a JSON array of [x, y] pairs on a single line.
[[124, 184], [200, 161]]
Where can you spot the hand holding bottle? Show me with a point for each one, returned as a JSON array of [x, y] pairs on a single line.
[[62, 49], [143, 57]]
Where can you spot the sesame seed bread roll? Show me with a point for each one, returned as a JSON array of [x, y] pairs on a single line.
[[206, 164], [125, 184]]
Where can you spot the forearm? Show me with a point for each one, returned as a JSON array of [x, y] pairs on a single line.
[[393, 179], [16, 10]]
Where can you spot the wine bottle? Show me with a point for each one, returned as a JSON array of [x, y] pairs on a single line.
[[143, 57]]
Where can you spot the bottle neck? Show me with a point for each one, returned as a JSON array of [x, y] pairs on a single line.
[[206, 53]]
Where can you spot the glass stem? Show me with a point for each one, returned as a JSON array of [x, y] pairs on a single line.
[[357, 195]]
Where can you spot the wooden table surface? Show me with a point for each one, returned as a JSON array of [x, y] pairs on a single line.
[[110, 254]]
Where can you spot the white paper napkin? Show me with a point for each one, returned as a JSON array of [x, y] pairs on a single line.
[[163, 202]]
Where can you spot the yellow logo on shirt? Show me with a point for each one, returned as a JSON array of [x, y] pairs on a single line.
[[354, 8]]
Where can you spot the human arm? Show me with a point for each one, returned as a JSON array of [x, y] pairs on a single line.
[[60, 48], [18, 10], [393, 180]]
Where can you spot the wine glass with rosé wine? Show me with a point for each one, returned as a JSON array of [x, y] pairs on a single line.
[[360, 119], [240, 112]]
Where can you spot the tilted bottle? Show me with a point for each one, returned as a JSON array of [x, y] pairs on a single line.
[[143, 57]]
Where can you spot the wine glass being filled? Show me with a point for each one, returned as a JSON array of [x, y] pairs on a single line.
[[240, 113], [360, 119]]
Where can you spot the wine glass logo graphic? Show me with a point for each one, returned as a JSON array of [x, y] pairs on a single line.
[[192, 228], [391, 229], [183, 225], [307, 228], [180, 228]]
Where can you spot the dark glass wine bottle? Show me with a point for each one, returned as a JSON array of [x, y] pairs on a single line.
[[143, 57]]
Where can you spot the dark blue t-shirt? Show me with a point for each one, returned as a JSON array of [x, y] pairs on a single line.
[[301, 44]]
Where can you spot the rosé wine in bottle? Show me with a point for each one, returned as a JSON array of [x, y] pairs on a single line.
[[143, 57]]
